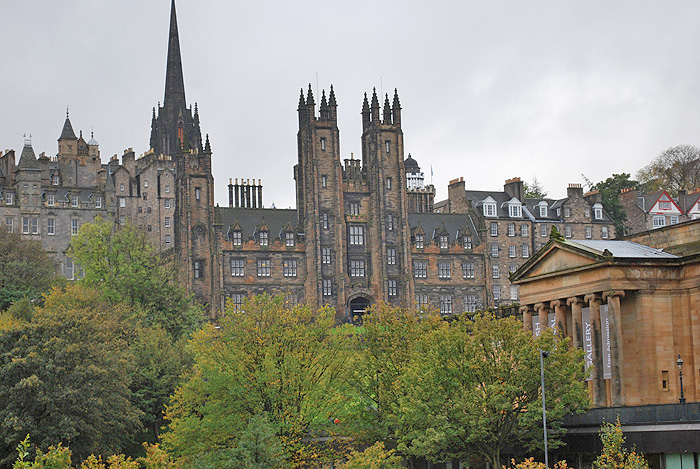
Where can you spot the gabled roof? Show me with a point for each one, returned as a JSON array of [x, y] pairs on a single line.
[[248, 220], [454, 224]]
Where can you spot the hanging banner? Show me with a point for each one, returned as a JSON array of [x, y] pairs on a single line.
[[605, 326], [552, 321], [587, 338], [536, 325]]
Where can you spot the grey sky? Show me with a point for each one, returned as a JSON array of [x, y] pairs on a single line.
[[489, 90]]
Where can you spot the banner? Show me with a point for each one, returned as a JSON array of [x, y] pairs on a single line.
[[605, 326], [536, 325], [552, 322], [587, 338]]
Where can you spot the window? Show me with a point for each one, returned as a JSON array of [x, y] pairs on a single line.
[[264, 267], [470, 302], [664, 381], [197, 267], [197, 193], [145, 196], [357, 235], [324, 181], [323, 145], [587, 213], [237, 300], [390, 222], [513, 292], [357, 268], [121, 187], [68, 269], [604, 232], [148, 209], [589, 232], [289, 268], [122, 219], [324, 220], [444, 270], [496, 292], [567, 231], [543, 209], [387, 145], [523, 231], [494, 249], [236, 238], [289, 239], [167, 239], [25, 225], [511, 229], [515, 211], [388, 183], [122, 202], [327, 287], [237, 267], [391, 256], [467, 240], [543, 230], [659, 221], [98, 201], [512, 268], [665, 205], [443, 240], [391, 288], [525, 251], [51, 226], [9, 224], [567, 212], [419, 241], [74, 227], [167, 189], [421, 300], [55, 179], [354, 208], [467, 270], [167, 222], [598, 211], [494, 228], [35, 225], [420, 269], [150, 228], [489, 209], [263, 238], [495, 272], [511, 250], [166, 203], [325, 255], [674, 219], [445, 304], [51, 200]]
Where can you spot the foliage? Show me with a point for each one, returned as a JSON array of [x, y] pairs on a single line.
[[534, 189], [64, 377], [675, 168], [127, 269], [610, 198], [530, 463], [614, 455], [374, 457], [265, 359], [476, 390], [25, 269]]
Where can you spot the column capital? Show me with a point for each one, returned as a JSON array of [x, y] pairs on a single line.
[[525, 308], [540, 306], [555, 304], [593, 297], [613, 293], [574, 300]]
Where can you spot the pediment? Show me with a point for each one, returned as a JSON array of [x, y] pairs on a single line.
[[556, 258]]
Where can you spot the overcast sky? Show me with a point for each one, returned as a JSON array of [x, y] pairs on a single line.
[[489, 90]]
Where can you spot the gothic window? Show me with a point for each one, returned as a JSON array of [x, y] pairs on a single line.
[[387, 147], [197, 193], [391, 287], [237, 267], [197, 268], [443, 240], [354, 208], [263, 238], [264, 267], [419, 241], [289, 267], [327, 285], [236, 238], [391, 256], [324, 181], [420, 269], [325, 255], [388, 183], [323, 145], [289, 239], [357, 268], [357, 235]]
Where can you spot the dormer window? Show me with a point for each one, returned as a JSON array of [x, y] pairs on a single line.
[[467, 242], [515, 210], [289, 239], [444, 241], [263, 238], [543, 209], [598, 211], [9, 198], [236, 238], [489, 209], [419, 241]]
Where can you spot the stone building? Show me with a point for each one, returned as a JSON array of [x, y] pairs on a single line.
[[658, 209]]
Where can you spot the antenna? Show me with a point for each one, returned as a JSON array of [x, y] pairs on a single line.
[[381, 86], [317, 88]]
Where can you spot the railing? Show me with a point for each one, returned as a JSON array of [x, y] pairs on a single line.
[[637, 415]]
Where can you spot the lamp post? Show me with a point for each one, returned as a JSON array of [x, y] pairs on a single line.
[[544, 354], [679, 363]]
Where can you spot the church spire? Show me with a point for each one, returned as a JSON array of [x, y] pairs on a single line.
[[174, 82]]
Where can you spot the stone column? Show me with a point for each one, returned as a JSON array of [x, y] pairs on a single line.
[[576, 305], [616, 345], [527, 311], [594, 301], [559, 317], [543, 312]]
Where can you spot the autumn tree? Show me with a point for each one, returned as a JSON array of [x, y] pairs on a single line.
[[614, 454], [674, 169]]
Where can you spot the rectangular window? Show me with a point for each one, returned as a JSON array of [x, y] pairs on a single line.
[[511, 229], [167, 222], [122, 202], [264, 267], [51, 200], [470, 302], [9, 224], [589, 232], [121, 187], [674, 220], [357, 235], [495, 272], [543, 230], [391, 256], [122, 219], [494, 228], [513, 292], [263, 238], [665, 205], [523, 231], [543, 210], [567, 231], [494, 249], [237, 300], [390, 222], [444, 270], [604, 233], [25, 225], [391, 287], [166, 203], [512, 268], [419, 241], [324, 181], [325, 255], [289, 267], [68, 269], [323, 145], [664, 381], [354, 208], [525, 251], [420, 269], [496, 292], [74, 227], [387, 145], [237, 267], [515, 211], [236, 238], [35, 225], [324, 220], [197, 193], [357, 268], [511, 250], [327, 287], [139, 209], [167, 239], [443, 239], [489, 210], [467, 270], [587, 213], [388, 183], [197, 267], [598, 213], [167, 189], [289, 239], [467, 242], [9, 197], [98, 201], [659, 221], [567, 212], [421, 300], [51, 226], [445, 304]]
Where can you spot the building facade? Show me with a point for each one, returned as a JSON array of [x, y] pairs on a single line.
[[658, 209]]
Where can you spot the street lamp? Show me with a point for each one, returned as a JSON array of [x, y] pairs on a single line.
[[544, 354], [679, 363]]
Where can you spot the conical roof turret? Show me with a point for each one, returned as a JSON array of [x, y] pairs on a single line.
[[67, 132], [28, 159]]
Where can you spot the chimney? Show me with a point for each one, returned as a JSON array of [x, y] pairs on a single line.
[[514, 188], [574, 189]]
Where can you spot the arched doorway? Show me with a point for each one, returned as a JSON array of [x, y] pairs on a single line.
[[357, 307]]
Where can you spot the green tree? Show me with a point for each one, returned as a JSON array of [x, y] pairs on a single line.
[[614, 454], [610, 198], [374, 457], [534, 189], [476, 389], [127, 269], [25, 269], [63, 377], [675, 168], [265, 359]]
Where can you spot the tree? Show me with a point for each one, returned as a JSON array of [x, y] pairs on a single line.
[[63, 377], [675, 168], [614, 455], [25, 269], [534, 189], [284, 363], [476, 389], [610, 198], [374, 457], [127, 269]]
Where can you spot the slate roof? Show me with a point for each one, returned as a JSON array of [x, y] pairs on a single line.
[[622, 249], [28, 159], [67, 132], [250, 219], [454, 224]]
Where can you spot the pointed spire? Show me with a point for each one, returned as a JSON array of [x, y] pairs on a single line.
[[375, 105], [387, 110], [365, 113], [174, 82], [396, 108], [207, 146], [331, 98], [310, 97], [302, 103], [67, 132], [324, 106]]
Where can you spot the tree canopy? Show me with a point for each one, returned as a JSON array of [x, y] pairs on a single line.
[[534, 189], [674, 169], [610, 198]]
